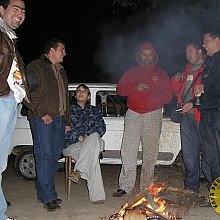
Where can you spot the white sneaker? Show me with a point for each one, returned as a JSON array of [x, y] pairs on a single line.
[[10, 218]]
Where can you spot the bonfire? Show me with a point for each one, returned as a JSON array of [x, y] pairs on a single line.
[[145, 205]]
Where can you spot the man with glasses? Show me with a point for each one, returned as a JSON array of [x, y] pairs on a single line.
[[49, 118], [84, 143]]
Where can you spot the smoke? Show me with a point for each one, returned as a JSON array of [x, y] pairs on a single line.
[[166, 29]]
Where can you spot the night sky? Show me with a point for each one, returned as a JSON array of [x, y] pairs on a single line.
[[77, 25], [101, 40]]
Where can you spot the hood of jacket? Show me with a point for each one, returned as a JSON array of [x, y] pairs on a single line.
[[146, 46]]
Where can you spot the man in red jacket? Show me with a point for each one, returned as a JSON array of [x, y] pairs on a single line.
[[147, 88], [191, 141]]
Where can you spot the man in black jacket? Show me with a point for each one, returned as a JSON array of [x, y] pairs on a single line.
[[210, 107]]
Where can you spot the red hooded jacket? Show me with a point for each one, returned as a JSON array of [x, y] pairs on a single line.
[[178, 87], [159, 88]]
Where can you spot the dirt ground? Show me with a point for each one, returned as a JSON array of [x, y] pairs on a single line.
[[24, 206]]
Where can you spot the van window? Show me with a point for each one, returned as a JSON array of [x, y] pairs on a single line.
[[110, 104]]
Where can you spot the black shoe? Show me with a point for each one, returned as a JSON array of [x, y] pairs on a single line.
[[52, 206], [119, 193], [59, 201], [8, 203]]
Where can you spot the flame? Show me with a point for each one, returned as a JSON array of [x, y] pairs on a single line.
[[154, 190]]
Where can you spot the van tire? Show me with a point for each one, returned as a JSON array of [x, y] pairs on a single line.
[[24, 164]]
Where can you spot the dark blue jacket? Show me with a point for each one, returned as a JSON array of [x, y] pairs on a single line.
[[85, 121]]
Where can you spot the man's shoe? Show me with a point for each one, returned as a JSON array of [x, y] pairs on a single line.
[[98, 202], [59, 201], [119, 193], [52, 206], [10, 218], [75, 176]]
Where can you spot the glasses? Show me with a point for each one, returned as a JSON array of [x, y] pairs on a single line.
[[81, 91]]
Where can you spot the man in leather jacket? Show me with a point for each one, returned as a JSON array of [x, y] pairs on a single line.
[[49, 117], [12, 81]]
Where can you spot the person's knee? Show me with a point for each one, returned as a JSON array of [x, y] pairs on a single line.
[[95, 135], [94, 138]]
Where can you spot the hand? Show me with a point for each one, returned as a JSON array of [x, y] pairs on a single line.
[[81, 138], [47, 119], [67, 128], [141, 87], [187, 107], [178, 77], [198, 90]]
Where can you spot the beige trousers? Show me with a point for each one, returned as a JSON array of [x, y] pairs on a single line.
[[86, 154], [145, 129]]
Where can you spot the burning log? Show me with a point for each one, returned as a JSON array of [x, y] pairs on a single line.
[[145, 205], [139, 196]]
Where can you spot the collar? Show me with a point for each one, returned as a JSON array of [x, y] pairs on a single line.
[[6, 29]]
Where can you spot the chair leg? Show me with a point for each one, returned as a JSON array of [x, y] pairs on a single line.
[[68, 170]]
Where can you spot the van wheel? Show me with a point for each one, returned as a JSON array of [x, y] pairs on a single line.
[[25, 165]]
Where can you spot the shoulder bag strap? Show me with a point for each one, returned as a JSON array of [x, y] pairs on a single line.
[[194, 81]]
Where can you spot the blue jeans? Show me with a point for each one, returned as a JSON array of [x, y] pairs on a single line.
[[48, 142], [8, 116], [210, 130], [191, 143]]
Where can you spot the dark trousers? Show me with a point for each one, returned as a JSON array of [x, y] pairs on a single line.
[[48, 145], [210, 130], [191, 143]]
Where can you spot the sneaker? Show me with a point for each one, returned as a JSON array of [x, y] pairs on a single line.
[[119, 193], [10, 218], [75, 176]]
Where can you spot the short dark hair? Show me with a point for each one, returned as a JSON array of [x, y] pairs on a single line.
[[213, 31], [52, 43], [84, 87], [198, 45], [5, 3]]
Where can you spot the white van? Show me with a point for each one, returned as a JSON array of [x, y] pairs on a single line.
[[112, 106]]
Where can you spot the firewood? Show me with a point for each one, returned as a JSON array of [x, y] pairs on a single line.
[[143, 193]]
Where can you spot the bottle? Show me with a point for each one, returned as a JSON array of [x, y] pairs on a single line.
[[198, 100]]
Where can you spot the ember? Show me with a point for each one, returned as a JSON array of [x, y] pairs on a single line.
[[145, 205]]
